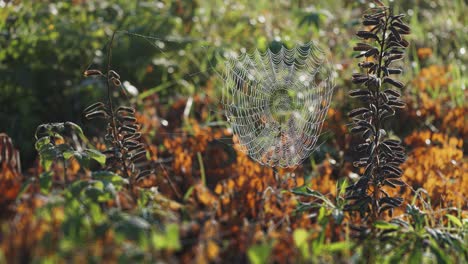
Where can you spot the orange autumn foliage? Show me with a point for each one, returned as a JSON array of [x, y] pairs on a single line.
[[424, 53], [436, 163]]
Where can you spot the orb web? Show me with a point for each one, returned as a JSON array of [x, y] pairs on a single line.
[[276, 102]]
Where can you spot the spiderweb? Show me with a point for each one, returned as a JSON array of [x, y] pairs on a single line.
[[276, 102]]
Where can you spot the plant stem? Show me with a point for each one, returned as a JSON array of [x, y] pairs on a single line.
[[377, 125], [115, 133]]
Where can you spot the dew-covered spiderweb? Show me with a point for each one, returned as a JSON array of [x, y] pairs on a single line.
[[276, 102]]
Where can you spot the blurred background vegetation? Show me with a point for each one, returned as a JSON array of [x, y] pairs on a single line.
[[47, 45]]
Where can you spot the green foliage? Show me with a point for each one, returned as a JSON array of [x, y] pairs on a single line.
[[49, 151], [168, 239], [259, 254]]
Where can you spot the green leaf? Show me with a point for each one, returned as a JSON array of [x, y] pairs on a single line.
[[24, 188], [64, 148], [132, 227], [77, 187], [438, 252], [188, 193], [339, 246], [93, 193], [300, 237], [68, 154], [170, 239], [109, 177], [259, 254], [48, 153], [454, 220], [45, 182], [76, 128], [41, 142], [416, 254], [385, 225], [96, 155], [82, 158]]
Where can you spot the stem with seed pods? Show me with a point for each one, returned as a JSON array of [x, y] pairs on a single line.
[[382, 47]]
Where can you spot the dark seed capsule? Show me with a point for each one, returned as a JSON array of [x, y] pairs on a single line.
[[132, 136], [357, 112], [93, 107], [393, 82], [138, 147], [362, 147], [404, 42], [395, 71], [130, 119], [370, 22], [358, 129], [395, 34], [144, 174], [362, 47], [127, 129], [398, 104], [366, 35], [96, 114], [394, 44], [126, 109], [358, 93], [371, 52], [394, 58], [401, 26], [366, 64], [130, 143], [359, 78], [138, 156], [392, 92]]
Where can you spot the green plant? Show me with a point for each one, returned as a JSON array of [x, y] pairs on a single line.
[[412, 239], [382, 156], [63, 141]]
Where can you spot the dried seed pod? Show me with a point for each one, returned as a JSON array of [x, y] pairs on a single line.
[[126, 109], [359, 78], [88, 73], [359, 93], [97, 114], [392, 92], [396, 34], [371, 22], [144, 174], [395, 71], [397, 104], [362, 47], [358, 129], [356, 112], [128, 119], [366, 64], [116, 82], [367, 35], [393, 82], [114, 74], [138, 156], [93, 107]]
